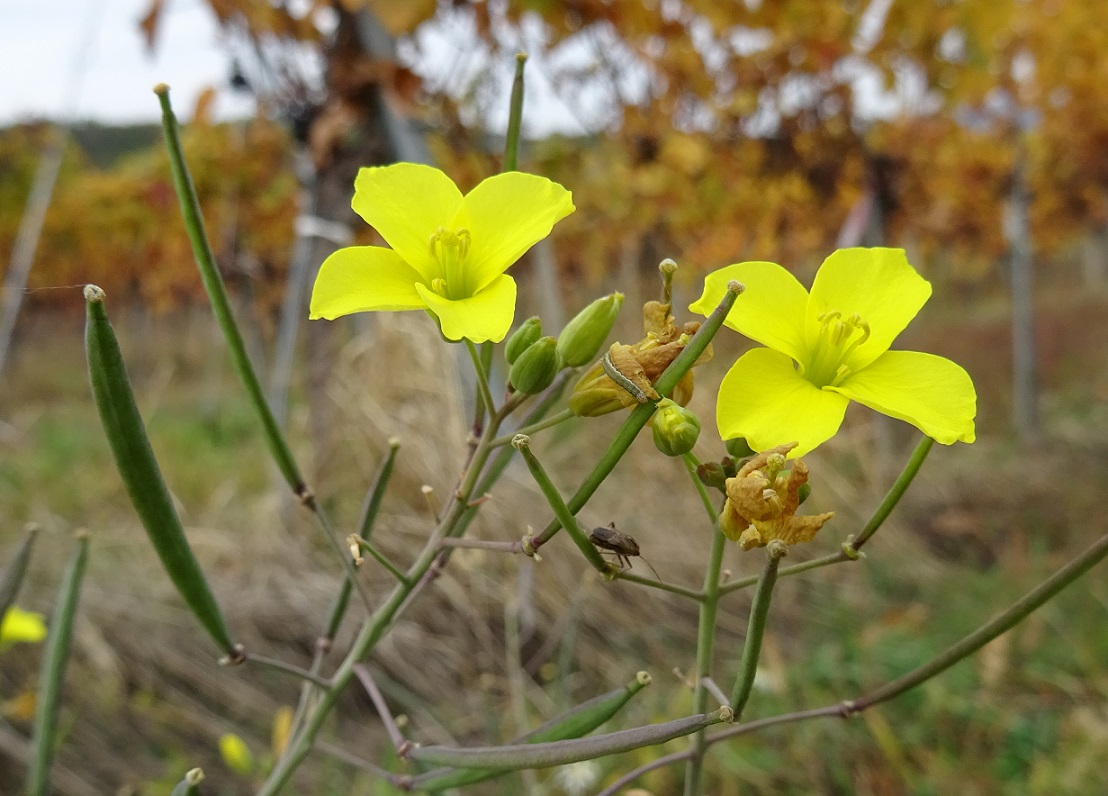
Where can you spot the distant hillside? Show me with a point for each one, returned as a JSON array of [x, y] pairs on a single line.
[[105, 144]]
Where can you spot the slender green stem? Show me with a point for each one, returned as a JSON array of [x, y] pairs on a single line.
[[392, 729], [714, 690], [691, 465], [515, 117], [706, 629], [221, 307], [55, 656], [970, 644], [287, 668], [12, 577], [641, 414], [631, 577], [480, 408], [217, 294], [499, 463], [370, 507], [756, 627], [1003, 622], [339, 753], [705, 640], [574, 723], [341, 551], [559, 507], [190, 784], [553, 753], [483, 544], [482, 377], [896, 492], [381, 559], [851, 547], [542, 425]]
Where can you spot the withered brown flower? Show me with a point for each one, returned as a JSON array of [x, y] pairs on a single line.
[[641, 364], [762, 500]]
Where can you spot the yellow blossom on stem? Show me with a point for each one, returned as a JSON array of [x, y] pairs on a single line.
[[762, 500], [21, 626], [829, 347], [449, 251]]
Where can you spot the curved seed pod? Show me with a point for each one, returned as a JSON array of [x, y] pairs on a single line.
[[12, 578], [188, 785], [556, 753], [134, 457], [54, 658], [574, 723]]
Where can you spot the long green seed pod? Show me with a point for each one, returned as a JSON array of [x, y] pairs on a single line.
[[217, 294], [12, 578], [134, 457], [574, 723], [557, 753], [188, 786], [54, 658], [515, 117]]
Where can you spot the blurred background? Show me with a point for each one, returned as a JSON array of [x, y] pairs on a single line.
[[972, 134]]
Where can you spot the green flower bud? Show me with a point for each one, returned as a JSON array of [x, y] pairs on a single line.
[[675, 428], [580, 341], [803, 491], [535, 369], [522, 338], [739, 448]]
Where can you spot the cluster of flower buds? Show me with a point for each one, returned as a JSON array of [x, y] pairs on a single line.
[[676, 428], [535, 360]]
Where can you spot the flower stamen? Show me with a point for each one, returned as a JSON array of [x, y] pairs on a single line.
[[449, 248], [838, 337]]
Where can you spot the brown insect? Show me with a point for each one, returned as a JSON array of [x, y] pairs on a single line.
[[622, 544]]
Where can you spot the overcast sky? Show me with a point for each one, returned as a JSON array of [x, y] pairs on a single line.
[[87, 59]]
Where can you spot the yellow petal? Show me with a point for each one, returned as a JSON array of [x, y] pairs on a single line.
[[765, 400], [879, 285], [21, 626], [364, 279], [506, 215], [770, 310], [406, 203], [932, 393], [486, 316]]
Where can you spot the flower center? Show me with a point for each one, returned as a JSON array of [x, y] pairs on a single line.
[[838, 337], [449, 248]]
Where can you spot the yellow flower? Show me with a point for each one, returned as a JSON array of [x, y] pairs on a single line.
[[21, 626], [236, 754], [831, 347], [449, 252], [762, 500]]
